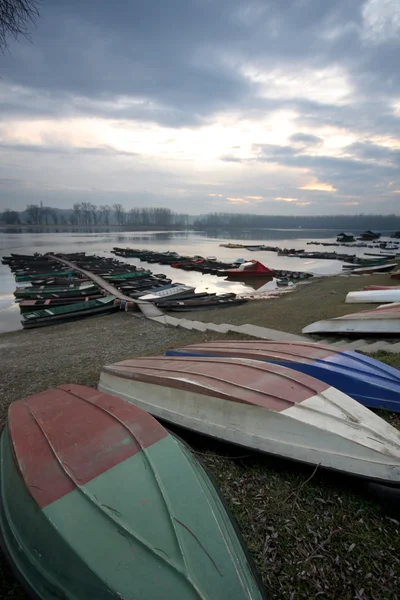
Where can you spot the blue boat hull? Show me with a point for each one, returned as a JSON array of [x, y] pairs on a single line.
[[367, 380]]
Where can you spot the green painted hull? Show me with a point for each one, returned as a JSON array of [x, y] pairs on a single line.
[[152, 527], [68, 309], [51, 292], [29, 277]]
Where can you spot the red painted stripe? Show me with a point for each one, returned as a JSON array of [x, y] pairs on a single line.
[[67, 436], [263, 384], [285, 351]]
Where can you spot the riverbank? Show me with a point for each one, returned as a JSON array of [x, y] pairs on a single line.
[[310, 534], [318, 298]]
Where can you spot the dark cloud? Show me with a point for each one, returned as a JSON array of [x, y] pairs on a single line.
[[182, 63]]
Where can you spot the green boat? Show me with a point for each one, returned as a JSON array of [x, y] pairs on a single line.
[[100, 502], [34, 292], [69, 312], [31, 276], [130, 275]]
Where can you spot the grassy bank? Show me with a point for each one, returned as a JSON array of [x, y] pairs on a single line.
[[311, 534], [320, 298]]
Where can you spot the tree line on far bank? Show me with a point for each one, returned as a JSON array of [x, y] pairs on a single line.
[[86, 214], [89, 215]]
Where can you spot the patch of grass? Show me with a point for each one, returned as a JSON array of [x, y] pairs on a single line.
[[309, 537], [387, 357]]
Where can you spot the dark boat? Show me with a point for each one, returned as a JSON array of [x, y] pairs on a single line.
[[100, 502], [33, 305], [60, 314]]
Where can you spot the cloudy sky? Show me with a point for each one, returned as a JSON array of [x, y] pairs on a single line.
[[269, 106]]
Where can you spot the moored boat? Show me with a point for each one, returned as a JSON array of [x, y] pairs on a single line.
[[173, 291], [98, 500], [70, 312], [262, 406], [252, 268], [49, 292], [32, 305], [367, 270], [369, 381]]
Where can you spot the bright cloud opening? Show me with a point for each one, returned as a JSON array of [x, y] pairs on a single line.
[[317, 186], [282, 199]]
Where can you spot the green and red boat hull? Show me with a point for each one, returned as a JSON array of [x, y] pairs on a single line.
[[99, 501]]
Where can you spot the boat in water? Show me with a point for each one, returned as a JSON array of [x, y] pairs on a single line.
[[177, 290], [70, 312], [98, 500], [381, 320], [373, 296], [367, 270], [264, 407], [369, 381], [252, 268]]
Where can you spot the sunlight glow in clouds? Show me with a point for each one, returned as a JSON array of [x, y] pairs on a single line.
[[281, 199], [316, 186], [327, 86]]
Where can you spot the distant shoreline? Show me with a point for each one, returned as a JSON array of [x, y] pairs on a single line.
[[93, 228]]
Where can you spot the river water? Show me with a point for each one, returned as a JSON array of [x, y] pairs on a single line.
[[186, 243]]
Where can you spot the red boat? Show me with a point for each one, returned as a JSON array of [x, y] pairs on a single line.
[[253, 268], [395, 275]]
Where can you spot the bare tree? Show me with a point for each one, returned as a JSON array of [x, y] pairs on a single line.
[[15, 18], [105, 214], [119, 212]]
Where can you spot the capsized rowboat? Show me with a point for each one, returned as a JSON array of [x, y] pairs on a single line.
[[98, 500], [373, 296], [369, 381], [262, 406], [381, 320]]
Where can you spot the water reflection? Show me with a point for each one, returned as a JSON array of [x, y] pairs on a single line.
[[261, 284]]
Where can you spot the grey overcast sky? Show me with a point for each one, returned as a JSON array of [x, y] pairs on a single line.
[[270, 106]]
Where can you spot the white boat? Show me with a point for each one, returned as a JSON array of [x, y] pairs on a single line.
[[174, 291], [373, 296], [262, 406], [381, 320]]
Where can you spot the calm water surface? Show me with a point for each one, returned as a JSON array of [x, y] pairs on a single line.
[[182, 242]]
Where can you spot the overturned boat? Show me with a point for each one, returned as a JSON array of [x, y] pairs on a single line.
[[381, 320], [98, 500], [373, 296], [369, 381], [262, 406]]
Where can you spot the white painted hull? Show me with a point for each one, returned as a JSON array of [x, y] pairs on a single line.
[[373, 297], [328, 429], [173, 292], [355, 326]]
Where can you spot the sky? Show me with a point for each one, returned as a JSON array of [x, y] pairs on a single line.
[[269, 107]]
